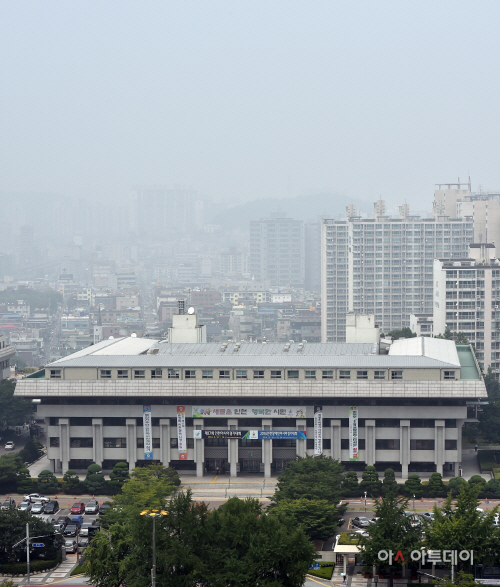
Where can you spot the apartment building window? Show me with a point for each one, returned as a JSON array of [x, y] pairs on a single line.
[[449, 374], [190, 374], [115, 443], [81, 442], [310, 374], [292, 375], [275, 374], [158, 374], [396, 374], [207, 374], [54, 441], [55, 373], [122, 373], [139, 374], [450, 445], [241, 374], [362, 375], [327, 375], [344, 374], [421, 444], [387, 444], [379, 375], [258, 374]]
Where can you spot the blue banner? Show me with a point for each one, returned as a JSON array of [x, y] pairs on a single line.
[[275, 434]]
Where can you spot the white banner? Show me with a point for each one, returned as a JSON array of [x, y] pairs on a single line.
[[181, 433], [148, 435], [249, 411], [318, 431], [353, 434]]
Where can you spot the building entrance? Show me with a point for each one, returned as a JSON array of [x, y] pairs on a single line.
[[280, 464], [250, 465], [212, 464]]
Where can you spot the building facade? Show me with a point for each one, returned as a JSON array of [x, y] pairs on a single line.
[[384, 266], [249, 407], [7, 352]]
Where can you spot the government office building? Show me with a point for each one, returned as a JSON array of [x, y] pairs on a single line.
[[252, 408]]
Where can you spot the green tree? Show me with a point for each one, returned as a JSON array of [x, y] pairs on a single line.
[[30, 452], [71, 481], [405, 332], [25, 484], [14, 410], [118, 476], [370, 482], [436, 487], [413, 486], [392, 531], [94, 481], [310, 478], [47, 482], [318, 518], [492, 489], [458, 337], [479, 483], [10, 465], [455, 484], [389, 484], [463, 527], [350, 484]]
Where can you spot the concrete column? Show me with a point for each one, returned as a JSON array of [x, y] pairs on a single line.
[[404, 447], [165, 441], [439, 445], [131, 436], [344, 557], [370, 442], [199, 451], [64, 443], [460, 424], [336, 431], [300, 447], [232, 448], [97, 449], [267, 449]]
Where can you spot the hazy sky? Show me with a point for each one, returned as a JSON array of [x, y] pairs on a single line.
[[242, 100]]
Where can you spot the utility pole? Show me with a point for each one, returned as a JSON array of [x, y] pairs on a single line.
[[153, 570], [28, 552]]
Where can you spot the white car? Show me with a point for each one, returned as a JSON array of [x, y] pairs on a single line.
[[37, 507], [361, 532], [36, 497], [24, 506], [10, 445]]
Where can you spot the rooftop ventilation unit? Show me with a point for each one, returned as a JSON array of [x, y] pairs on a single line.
[[154, 351]]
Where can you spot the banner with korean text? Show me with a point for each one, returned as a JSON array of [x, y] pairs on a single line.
[[249, 411], [148, 436], [181, 433], [318, 431], [353, 434]]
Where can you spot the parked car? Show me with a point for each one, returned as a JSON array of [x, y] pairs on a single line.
[[428, 516], [61, 523], [24, 506], [32, 497], [361, 532], [361, 522], [70, 546], [374, 519], [37, 507], [84, 530], [78, 520], [71, 530], [92, 530], [82, 543], [52, 507], [92, 507], [104, 508], [8, 504], [415, 521], [78, 508], [11, 445]]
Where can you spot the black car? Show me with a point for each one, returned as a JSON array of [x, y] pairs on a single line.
[[71, 530], [104, 508], [52, 507], [63, 521], [92, 531]]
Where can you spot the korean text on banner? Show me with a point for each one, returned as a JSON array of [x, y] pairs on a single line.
[[318, 431], [148, 440], [181, 433], [353, 434]]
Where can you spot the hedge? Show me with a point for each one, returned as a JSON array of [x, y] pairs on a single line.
[[487, 460], [324, 572], [35, 566]]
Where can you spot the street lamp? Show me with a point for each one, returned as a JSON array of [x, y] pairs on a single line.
[[154, 514], [365, 502]]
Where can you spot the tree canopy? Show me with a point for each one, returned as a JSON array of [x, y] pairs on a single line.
[[14, 410]]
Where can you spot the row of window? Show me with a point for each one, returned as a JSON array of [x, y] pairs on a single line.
[[255, 373]]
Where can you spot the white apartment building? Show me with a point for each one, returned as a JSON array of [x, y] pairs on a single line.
[[467, 299], [384, 266], [6, 354], [277, 251]]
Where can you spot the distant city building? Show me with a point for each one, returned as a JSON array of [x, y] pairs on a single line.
[[312, 237], [7, 352], [277, 251], [384, 266], [467, 299], [422, 324]]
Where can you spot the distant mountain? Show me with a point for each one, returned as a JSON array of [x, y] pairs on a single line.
[[305, 207]]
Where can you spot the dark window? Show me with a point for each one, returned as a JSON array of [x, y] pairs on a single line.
[[310, 374], [249, 422], [450, 423], [174, 373], [344, 374], [327, 375], [190, 442], [140, 443], [55, 373], [387, 423], [241, 374], [310, 443], [258, 374], [190, 374], [344, 443], [80, 421], [284, 443], [105, 373], [81, 442], [292, 375], [207, 374], [379, 374], [362, 375], [224, 374], [250, 442], [139, 374], [54, 441], [396, 374], [449, 374], [217, 422], [327, 443], [450, 445], [173, 443], [309, 422], [288, 423], [275, 374], [115, 443], [54, 422], [387, 444], [215, 441], [156, 374], [114, 421], [122, 373], [421, 444], [422, 423]]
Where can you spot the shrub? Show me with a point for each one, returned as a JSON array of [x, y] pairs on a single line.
[[325, 571], [413, 486], [47, 482], [486, 460], [36, 565], [95, 482]]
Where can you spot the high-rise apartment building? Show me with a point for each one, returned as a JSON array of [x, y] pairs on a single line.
[[313, 255], [277, 251], [467, 299], [384, 266]]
